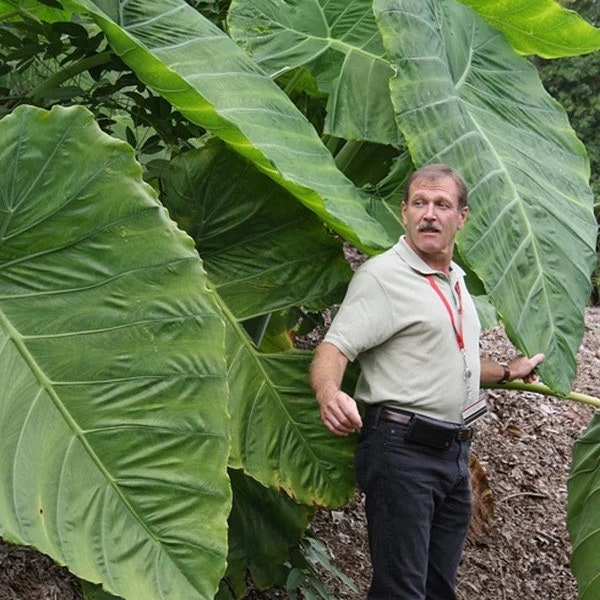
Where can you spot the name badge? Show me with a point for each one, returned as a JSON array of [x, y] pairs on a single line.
[[474, 411]]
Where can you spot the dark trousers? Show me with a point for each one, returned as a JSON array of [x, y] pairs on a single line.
[[418, 507]]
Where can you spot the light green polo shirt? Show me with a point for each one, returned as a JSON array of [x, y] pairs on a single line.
[[396, 325]]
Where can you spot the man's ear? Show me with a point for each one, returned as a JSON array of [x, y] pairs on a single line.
[[464, 213]]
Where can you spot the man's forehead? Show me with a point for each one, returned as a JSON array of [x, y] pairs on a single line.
[[443, 184]]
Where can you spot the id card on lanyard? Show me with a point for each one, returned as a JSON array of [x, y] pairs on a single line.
[[472, 409]]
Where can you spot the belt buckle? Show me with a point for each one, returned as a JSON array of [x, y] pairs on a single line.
[[464, 434]]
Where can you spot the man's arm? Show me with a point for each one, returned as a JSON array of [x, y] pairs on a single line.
[[339, 412], [518, 368]]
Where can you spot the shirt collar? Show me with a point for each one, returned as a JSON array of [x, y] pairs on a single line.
[[415, 262]]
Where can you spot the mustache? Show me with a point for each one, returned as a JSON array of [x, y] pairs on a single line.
[[429, 227]]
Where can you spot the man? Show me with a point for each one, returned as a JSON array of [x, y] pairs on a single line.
[[409, 320]]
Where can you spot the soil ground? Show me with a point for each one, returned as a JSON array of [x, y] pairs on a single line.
[[518, 546]]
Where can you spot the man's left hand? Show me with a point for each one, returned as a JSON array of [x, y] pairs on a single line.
[[523, 368]]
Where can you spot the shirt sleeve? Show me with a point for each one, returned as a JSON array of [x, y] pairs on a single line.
[[364, 318]]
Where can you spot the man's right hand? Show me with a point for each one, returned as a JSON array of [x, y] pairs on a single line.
[[340, 414], [339, 411]]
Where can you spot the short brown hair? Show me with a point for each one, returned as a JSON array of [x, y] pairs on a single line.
[[439, 171]]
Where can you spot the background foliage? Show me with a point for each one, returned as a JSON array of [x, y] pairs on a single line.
[[572, 81]]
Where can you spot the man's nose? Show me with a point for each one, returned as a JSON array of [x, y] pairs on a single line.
[[429, 212]]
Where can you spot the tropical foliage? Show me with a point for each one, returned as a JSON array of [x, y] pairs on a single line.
[[571, 81], [159, 434]]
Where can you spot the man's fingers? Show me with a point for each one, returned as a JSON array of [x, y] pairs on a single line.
[[534, 361], [341, 415], [524, 367], [537, 359], [338, 427]]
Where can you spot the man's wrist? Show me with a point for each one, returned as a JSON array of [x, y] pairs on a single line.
[[505, 374], [326, 394]]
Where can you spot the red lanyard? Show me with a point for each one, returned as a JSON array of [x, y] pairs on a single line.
[[458, 332]]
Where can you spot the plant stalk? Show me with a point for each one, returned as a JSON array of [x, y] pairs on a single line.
[[539, 388], [69, 72]]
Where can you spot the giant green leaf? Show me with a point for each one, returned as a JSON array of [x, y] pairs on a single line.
[[281, 35], [205, 75], [583, 516], [276, 435], [543, 27], [113, 406], [263, 250], [463, 97], [340, 42], [263, 526]]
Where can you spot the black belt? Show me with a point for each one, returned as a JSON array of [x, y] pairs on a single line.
[[428, 429]]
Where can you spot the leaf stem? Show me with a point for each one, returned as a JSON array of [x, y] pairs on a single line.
[[69, 72], [347, 153], [21, 12], [539, 388]]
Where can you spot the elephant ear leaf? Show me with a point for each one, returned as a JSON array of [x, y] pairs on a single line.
[[583, 514], [544, 27], [113, 409], [203, 73], [265, 252], [339, 42]]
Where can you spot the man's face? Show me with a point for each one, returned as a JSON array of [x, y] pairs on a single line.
[[431, 217]]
